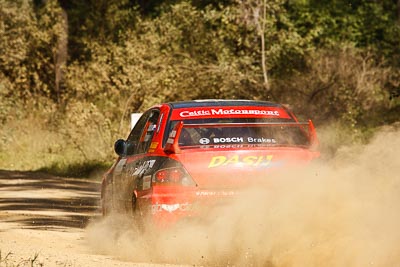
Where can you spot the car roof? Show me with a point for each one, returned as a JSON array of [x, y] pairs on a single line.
[[219, 102]]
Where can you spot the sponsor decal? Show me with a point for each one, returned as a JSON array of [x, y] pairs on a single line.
[[228, 140], [188, 113], [244, 111], [204, 141], [146, 182], [171, 137], [218, 161], [151, 127], [153, 146], [250, 140], [213, 112], [170, 207], [228, 146], [228, 112], [261, 140], [144, 167], [215, 193]]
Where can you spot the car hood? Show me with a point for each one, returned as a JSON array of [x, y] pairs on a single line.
[[233, 168]]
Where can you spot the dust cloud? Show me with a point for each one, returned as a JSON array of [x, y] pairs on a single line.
[[341, 211]]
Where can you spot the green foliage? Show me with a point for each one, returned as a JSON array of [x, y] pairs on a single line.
[[366, 24], [344, 85], [72, 73], [87, 130], [97, 20], [16, 28], [199, 55], [7, 104], [29, 47], [285, 48]]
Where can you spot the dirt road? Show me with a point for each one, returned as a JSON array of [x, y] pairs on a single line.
[[43, 220], [338, 212]]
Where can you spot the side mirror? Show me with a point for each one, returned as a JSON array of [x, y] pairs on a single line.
[[120, 147]]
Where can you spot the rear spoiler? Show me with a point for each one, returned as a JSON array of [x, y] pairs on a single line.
[[172, 145]]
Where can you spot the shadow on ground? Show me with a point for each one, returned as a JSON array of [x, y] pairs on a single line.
[[41, 201]]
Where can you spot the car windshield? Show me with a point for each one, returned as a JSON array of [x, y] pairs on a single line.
[[241, 131]]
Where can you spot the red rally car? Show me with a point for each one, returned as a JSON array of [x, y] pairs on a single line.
[[181, 154]]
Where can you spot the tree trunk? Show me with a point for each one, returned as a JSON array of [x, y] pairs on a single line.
[[398, 11], [61, 55]]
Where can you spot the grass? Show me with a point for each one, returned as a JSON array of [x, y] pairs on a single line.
[[7, 261], [29, 145], [91, 169]]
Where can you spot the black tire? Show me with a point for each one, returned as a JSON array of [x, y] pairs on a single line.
[[132, 209], [135, 214]]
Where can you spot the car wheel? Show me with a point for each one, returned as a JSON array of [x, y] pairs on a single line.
[[130, 206], [133, 205], [106, 204], [134, 213]]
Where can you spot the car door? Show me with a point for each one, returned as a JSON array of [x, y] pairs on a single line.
[[130, 167]]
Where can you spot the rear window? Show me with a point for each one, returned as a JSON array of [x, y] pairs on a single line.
[[222, 132]]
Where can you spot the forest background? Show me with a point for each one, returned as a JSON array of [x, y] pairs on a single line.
[[71, 71]]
